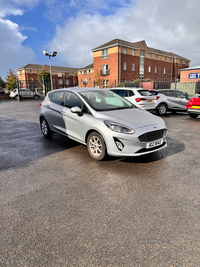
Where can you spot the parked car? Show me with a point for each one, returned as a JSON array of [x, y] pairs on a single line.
[[103, 121], [2, 91], [193, 106], [170, 100], [24, 93], [141, 98]]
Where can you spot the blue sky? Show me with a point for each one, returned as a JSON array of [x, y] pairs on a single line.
[[74, 27]]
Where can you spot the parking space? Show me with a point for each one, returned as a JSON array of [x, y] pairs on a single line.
[[59, 207]]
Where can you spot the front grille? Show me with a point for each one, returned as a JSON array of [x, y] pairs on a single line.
[[151, 136]]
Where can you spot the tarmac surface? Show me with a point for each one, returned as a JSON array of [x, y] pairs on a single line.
[[59, 207]]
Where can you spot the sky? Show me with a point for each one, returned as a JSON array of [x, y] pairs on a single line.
[[74, 27]]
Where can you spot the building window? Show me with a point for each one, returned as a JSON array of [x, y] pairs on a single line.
[[81, 80], [80, 72], [142, 56], [104, 53], [156, 57], [105, 83], [88, 71], [67, 74], [133, 52], [89, 79], [149, 69], [59, 74], [165, 59], [105, 69], [124, 80], [180, 62], [30, 71], [155, 69], [124, 66], [21, 81], [52, 72], [164, 71], [85, 72], [60, 81], [31, 79], [124, 50], [169, 72], [20, 73], [133, 67], [149, 55], [170, 60]]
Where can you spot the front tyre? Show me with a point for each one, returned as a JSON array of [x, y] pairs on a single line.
[[96, 146], [193, 115], [161, 109], [45, 128]]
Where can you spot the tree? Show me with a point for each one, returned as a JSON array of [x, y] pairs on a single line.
[[2, 83], [11, 80], [45, 74], [98, 79]]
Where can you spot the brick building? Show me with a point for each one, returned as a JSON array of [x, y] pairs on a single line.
[[61, 76], [120, 61]]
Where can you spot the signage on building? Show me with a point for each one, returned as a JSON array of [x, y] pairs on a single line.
[[194, 75]]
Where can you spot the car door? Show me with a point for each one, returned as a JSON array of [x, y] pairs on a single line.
[[53, 112], [172, 100], [76, 125], [183, 100]]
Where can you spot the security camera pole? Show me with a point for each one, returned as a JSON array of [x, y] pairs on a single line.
[[53, 54]]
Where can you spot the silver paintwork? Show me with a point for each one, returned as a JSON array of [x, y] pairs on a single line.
[[77, 125]]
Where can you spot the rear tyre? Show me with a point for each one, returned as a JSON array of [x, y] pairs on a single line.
[[16, 97], [193, 115], [161, 109], [36, 97], [45, 128], [96, 146]]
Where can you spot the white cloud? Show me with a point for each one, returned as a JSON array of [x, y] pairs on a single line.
[[166, 25], [12, 50]]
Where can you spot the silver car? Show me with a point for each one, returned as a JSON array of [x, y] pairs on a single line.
[[170, 100], [103, 121], [24, 93]]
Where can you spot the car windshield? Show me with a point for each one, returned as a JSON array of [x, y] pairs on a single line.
[[105, 100]]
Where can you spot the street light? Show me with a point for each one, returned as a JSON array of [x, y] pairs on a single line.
[[53, 54]]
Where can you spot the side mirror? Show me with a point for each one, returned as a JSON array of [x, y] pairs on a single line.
[[77, 110]]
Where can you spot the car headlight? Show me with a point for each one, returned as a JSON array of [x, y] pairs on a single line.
[[119, 128]]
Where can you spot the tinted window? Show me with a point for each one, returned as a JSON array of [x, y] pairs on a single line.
[[144, 92], [180, 95], [72, 100], [131, 93], [120, 92], [169, 93], [57, 98]]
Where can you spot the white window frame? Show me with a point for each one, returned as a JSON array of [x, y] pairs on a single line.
[[59, 74], [85, 72], [133, 52], [133, 67], [124, 66], [164, 71], [156, 57], [125, 50], [104, 53], [105, 83], [149, 55], [105, 69], [149, 69], [30, 71], [155, 69], [165, 59]]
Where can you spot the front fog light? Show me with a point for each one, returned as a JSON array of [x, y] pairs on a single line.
[[165, 133], [119, 144]]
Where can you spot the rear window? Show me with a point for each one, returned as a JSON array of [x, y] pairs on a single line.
[[144, 92]]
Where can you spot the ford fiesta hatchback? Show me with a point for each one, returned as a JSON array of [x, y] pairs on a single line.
[[103, 121]]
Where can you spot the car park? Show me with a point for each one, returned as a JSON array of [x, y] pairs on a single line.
[[193, 106], [103, 121], [170, 100], [141, 98], [24, 93]]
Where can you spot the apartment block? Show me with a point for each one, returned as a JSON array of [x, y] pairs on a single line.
[[120, 61], [61, 76]]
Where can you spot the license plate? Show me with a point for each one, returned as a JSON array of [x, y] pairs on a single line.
[[149, 101], [197, 107], [154, 143]]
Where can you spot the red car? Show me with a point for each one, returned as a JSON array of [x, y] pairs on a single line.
[[193, 106]]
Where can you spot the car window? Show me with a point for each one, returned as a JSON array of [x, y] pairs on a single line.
[[72, 100], [180, 95], [57, 98], [131, 93], [144, 92], [169, 93], [120, 92]]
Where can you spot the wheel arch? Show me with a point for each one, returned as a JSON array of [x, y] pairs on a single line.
[[94, 130]]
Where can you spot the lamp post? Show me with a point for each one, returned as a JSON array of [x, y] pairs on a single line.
[[53, 54]]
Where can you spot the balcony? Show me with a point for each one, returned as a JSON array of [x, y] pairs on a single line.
[[104, 72]]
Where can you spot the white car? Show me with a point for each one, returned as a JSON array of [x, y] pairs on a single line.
[[24, 93], [141, 98]]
